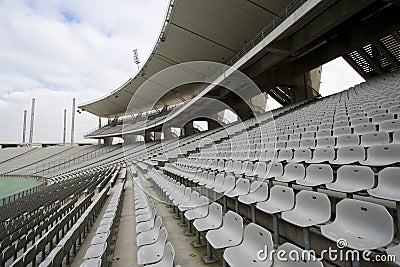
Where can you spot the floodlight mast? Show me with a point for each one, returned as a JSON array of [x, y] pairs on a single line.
[[24, 128], [32, 121], [65, 126], [73, 122], [136, 57]]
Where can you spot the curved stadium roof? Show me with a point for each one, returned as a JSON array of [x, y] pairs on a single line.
[[206, 30]]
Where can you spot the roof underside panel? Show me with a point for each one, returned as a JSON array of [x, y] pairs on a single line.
[[206, 30], [380, 56]]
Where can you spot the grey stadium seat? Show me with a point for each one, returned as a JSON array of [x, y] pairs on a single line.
[[100, 238], [347, 140], [273, 170], [311, 208], [230, 234], [292, 172], [242, 188], [212, 220], [96, 251], [374, 138], [327, 141], [389, 125], [382, 155], [364, 128], [285, 154], [145, 226], [302, 155], [351, 179], [228, 185], [322, 155], [154, 252], [382, 117], [359, 121], [388, 184], [348, 155], [343, 130], [259, 168], [258, 192], [255, 238], [200, 211], [167, 259], [317, 174], [307, 143], [281, 199], [364, 225], [151, 236]]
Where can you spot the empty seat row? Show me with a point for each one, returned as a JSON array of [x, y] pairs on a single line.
[[374, 155], [154, 250], [84, 211], [100, 244]]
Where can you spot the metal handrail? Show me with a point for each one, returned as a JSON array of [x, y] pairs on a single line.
[[289, 10]]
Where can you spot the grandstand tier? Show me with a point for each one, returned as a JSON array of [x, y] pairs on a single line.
[[318, 175]]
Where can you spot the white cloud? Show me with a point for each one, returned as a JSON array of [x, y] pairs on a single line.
[[55, 50], [338, 75]]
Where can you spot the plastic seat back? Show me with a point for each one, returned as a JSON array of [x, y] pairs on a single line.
[[364, 128], [349, 154], [318, 174], [255, 239], [382, 155], [311, 208], [285, 154], [274, 170], [327, 141], [293, 171], [168, 257], [388, 184], [323, 154], [374, 138], [351, 178], [389, 125], [365, 225], [302, 154]]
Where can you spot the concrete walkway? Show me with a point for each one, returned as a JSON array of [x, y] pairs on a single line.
[[125, 246]]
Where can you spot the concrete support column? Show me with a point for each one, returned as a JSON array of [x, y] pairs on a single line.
[[147, 136], [259, 102], [306, 85], [157, 135], [313, 78], [188, 129], [239, 106], [212, 124], [167, 133], [130, 138], [108, 141]]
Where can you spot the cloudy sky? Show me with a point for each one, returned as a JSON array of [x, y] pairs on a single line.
[[56, 50]]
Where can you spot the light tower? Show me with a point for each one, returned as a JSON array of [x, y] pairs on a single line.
[[24, 128], [99, 141], [136, 57], [65, 126], [73, 122], [32, 121]]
